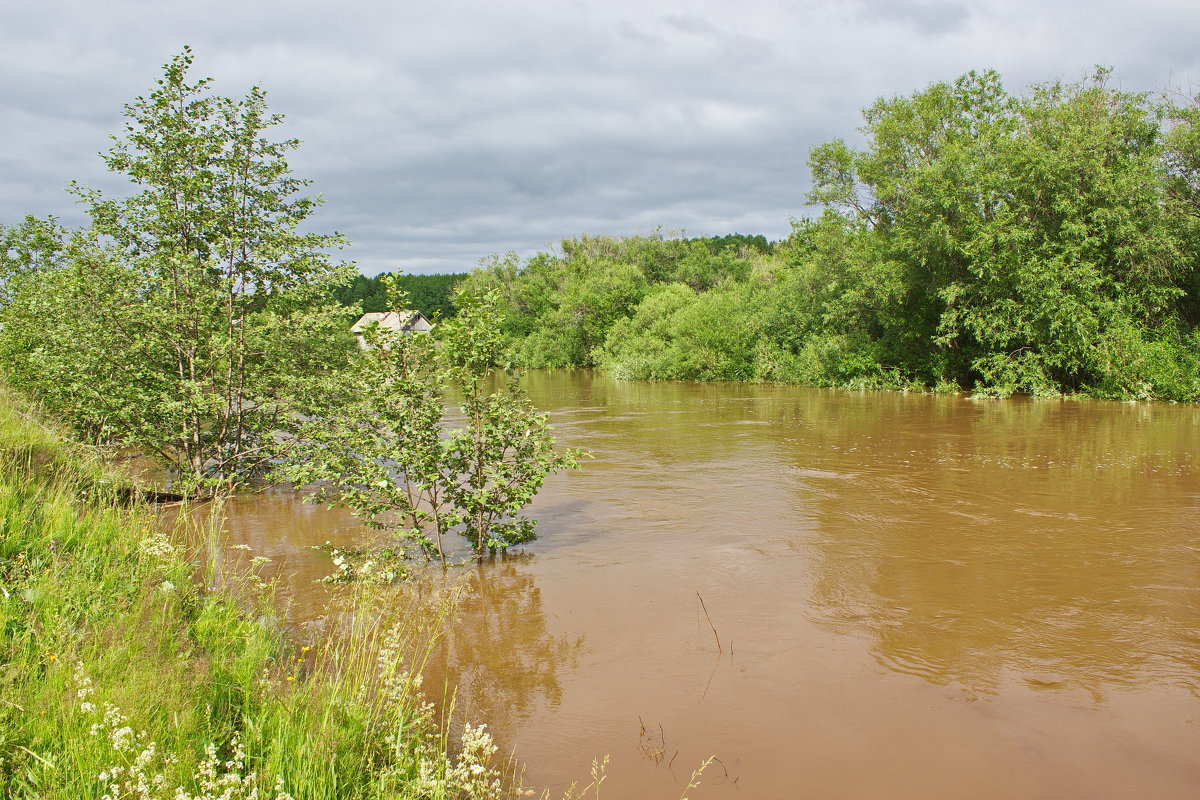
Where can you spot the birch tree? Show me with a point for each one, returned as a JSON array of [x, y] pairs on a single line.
[[194, 303]]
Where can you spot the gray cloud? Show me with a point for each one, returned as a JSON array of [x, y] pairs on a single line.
[[932, 17], [440, 134]]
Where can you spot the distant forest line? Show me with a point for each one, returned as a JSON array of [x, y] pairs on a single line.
[[432, 295]]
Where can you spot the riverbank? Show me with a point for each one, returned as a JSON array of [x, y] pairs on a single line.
[[131, 670]]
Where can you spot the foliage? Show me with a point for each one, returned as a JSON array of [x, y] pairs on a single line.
[[384, 448], [361, 295], [186, 323], [1182, 161], [1035, 251], [35, 246], [432, 295], [1042, 243], [682, 334], [133, 672], [559, 310]]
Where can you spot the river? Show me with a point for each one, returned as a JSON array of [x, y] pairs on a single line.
[[836, 594]]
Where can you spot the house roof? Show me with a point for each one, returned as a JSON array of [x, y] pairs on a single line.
[[405, 320]]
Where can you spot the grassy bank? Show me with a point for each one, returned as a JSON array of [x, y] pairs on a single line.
[[126, 672]]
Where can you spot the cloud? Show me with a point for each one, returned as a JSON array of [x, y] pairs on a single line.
[[930, 17], [440, 134]]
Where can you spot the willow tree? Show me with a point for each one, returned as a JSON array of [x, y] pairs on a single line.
[[194, 303], [1027, 238]]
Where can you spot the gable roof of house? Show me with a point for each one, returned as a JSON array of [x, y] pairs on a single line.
[[405, 320]]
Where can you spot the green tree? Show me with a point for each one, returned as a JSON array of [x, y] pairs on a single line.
[[1030, 235], [384, 448], [360, 295], [680, 334], [187, 322], [1183, 193], [33, 247], [432, 295]]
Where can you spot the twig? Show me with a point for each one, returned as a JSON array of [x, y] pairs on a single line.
[[708, 683], [710, 624]]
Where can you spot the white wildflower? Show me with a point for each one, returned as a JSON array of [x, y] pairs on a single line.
[[83, 682], [159, 547], [122, 738]]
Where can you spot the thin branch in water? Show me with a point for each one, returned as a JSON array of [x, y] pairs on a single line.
[[708, 683], [725, 769], [710, 624]]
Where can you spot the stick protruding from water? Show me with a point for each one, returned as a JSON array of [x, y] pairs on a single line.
[[710, 624]]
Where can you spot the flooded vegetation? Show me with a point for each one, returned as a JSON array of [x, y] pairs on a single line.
[[137, 666], [807, 592], [915, 595]]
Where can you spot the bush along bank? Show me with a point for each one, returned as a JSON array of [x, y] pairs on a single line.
[[129, 673]]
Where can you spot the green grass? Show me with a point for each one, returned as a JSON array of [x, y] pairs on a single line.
[[124, 672]]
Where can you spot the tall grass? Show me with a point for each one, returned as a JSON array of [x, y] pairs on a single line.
[[127, 672]]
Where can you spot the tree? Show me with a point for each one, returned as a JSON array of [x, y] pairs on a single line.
[[1183, 191], [1030, 235], [383, 446], [194, 305], [33, 247], [432, 295], [360, 295]]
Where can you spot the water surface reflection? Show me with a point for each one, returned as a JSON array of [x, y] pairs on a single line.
[[500, 655], [1052, 543], [916, 596]]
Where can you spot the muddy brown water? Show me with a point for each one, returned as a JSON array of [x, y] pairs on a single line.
[[914, 596]]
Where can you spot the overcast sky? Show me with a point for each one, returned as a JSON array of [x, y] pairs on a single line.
[[441, 132]]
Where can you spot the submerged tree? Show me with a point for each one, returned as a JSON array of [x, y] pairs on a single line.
[[187, 323], [383, 446]]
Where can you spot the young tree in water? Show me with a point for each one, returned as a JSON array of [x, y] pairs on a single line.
[[384, 448], [186, 323]]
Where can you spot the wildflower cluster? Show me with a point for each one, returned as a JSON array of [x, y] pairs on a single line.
[[471, 773], [158, 546], [225, 780], [418, 760], [138, 770]]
